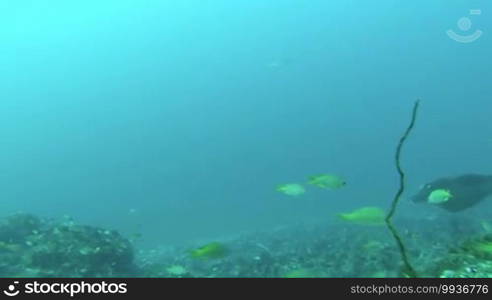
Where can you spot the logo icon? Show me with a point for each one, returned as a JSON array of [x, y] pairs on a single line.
[[464, 24], [11, 290]]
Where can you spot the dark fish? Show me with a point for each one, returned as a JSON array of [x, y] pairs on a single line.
[[467, 191]]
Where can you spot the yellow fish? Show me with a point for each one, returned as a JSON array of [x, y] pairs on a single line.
[[372, 245], [327, 181], [302, 273], [439, 196], [9, 247], [209, 251], [365, 216], [481, 248], [484, 247], [291, 189]]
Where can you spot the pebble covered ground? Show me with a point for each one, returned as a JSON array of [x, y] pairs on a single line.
[[34, 247]]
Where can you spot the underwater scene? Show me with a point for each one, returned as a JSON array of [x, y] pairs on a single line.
[[193, 138]]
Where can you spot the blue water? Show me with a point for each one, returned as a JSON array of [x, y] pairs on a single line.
[[177, 119]]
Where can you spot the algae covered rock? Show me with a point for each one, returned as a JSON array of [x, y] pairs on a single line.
[[31, 246]]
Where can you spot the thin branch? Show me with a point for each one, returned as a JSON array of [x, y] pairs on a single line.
[[403, 252]]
